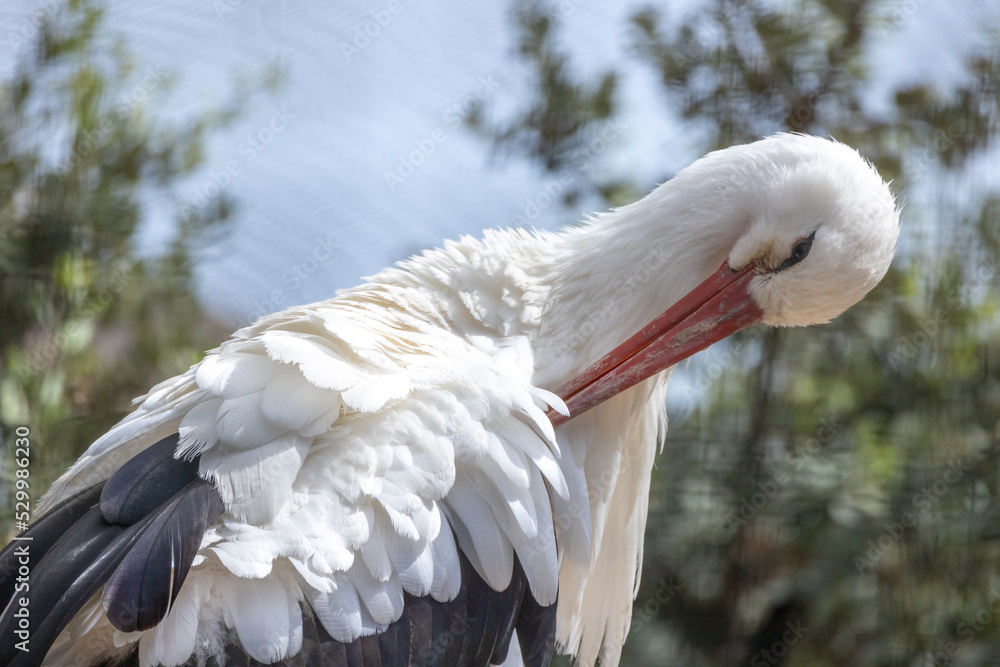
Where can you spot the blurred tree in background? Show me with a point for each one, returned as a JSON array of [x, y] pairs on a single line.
[[87, 324], [830, 496], [825, 497]]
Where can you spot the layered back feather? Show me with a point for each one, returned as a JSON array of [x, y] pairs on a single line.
[[360, 444]]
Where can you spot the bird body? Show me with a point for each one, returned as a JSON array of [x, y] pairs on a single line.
[[344, 463]]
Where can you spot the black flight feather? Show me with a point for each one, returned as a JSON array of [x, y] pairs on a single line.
[[440, 651], [421, 616], [318, 648], [371, 653], [145, 482], [140, 530], [394, 642], [72, 571], [450, 640], [131, 660], [139, 593], [39, 538], [483, 613], [355, 657], [536, 632], [509, 612]]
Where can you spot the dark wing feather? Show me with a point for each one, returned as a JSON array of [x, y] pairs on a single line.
[[141, 530], [421, 615], [394, 643], [509, 612], [355, 657], [69, 574], [145, 482], [139, 593], [371, 652], [40, 537], [481, 618], [450, 635], [318, 648], [536, 632]]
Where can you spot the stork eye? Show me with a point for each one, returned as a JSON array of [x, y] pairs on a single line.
[[799, 252]]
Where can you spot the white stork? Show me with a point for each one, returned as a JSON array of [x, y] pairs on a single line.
[[440, 466]]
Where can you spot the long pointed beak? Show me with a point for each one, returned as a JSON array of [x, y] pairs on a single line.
[[716, 308]]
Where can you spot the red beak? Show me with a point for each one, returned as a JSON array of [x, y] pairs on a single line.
[[717, 308]]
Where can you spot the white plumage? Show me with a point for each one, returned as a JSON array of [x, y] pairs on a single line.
[[359, 443]]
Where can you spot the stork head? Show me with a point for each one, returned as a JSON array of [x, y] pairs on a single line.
[[816, 227], [822, 229]]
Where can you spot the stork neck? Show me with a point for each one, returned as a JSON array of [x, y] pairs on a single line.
[[617, 273]]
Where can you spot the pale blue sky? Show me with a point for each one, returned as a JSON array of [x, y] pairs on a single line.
[[308, 164]]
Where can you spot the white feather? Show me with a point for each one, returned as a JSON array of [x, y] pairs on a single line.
[[414, 563], [539, 555], [245, 560], [267, 620], [526, 412], [516, 432], [296, 404], [313, 578], [478, 534], [382, 599], [256, 483], [546, 399], [374, 550], [241, 424], [513, 508], [197, 427], [508, 460], [173, 641], [235, 374], [447, 578], [339, 610]]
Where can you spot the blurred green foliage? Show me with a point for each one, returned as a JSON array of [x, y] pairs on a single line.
[[828, 496], [87, 324]]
